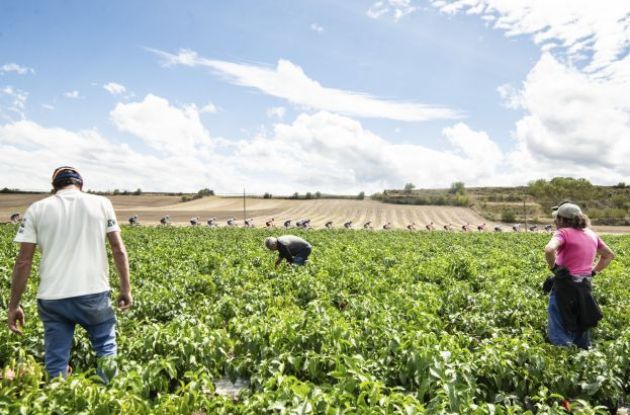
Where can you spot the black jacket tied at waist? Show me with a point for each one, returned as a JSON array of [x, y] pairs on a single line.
[[578, 308]]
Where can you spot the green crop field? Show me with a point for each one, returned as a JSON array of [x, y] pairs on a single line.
[[377, 323]]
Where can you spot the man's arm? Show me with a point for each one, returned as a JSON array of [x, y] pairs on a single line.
[[550, 251], [125, 300], [283, 253], [606, 256], [278, 261], [21, 272]]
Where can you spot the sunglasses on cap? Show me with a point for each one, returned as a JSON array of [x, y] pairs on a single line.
[[555, 208]]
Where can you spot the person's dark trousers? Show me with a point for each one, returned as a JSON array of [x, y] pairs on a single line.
[[301, 257], [93, 312], [556, 331]]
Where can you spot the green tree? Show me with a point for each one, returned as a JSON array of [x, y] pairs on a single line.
[[205, 192], [457, 188], [409, 188]]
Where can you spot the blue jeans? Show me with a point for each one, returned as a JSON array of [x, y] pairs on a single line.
[[301, 257], [556, 332], [93, 312]]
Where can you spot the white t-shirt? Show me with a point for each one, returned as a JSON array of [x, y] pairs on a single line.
[[70, 228]]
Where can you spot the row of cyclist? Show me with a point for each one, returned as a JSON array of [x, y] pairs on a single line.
[[306, 224]]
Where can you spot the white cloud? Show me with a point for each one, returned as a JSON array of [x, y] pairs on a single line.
[[510, 95], [398, 8], [317, 28], [333, 152], [574, 26], [184, 159], [574, 118], [277, 112], [475, 145], [162, 126], [289, 81], [72, 94], [14, 67], [29, 152], [12, 102], [48, 107], [575, 97], [114, 88], [209, 108], [323, 151]]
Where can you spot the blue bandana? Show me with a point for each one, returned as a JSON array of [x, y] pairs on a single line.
[[66, 174]]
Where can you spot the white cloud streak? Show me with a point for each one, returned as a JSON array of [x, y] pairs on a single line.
[[317, 28], [14, 67], [276, 112], [577, 27], [12, 102], [288, 81], [209, 108], [114, 88], [72, 94], [397, 8]]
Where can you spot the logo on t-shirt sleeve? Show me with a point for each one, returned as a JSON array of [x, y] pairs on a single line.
[[111, 223]]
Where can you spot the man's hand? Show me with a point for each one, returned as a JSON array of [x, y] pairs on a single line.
[[124, 301], [16, 320], [21, 271]]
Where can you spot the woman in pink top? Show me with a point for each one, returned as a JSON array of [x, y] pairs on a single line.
[[573, 246]]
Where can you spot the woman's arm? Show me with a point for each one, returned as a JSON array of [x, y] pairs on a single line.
[[606, 256], [550, 251]]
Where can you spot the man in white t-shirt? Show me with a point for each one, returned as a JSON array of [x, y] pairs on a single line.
[[70, 228]]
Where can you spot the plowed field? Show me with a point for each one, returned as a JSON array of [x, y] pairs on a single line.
[[150, 208]]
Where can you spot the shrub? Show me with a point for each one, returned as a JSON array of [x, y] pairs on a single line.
[[508, 216]]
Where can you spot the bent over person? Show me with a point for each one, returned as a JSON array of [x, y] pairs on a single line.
[[292, 248], [70, 228], [570, 255]]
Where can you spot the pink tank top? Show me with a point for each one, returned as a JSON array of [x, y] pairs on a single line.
[[578, 248]]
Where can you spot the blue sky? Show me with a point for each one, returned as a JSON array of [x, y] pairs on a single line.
[[287, 96]]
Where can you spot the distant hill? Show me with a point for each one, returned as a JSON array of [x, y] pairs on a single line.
[[605, 205]]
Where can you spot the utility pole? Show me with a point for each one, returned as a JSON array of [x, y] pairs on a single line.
[[525, 214], [244, 207]]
